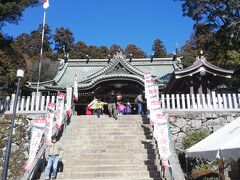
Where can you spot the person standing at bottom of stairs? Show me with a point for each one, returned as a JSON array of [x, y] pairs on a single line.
[[112, 105], [54, 153]]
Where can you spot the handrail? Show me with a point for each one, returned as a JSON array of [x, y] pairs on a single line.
[[29, 174]]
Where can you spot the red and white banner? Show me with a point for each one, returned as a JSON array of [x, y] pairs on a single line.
[[154, 103], [149, 82], [60, 109], [45, 4], [154, 115], [49, 123], [69, 100], [161, 134], [152, 91], [75, 92], [36, 136], [147, 75]]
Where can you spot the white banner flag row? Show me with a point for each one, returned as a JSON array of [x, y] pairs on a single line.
[[157, 118], [60, 110], [36, 137], [69, 100], [75, 91], [49, 123]]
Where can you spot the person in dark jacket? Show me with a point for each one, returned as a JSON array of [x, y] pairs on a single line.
[[112, 107]]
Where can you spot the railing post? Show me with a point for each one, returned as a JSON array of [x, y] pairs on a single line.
[[163, 101], [53, 101], [173, 101], [38, 99], [220, 101], [7, 103], [209, 101], [194, 106], [183, 101], [230, 101], [42, 103], [214, 99], [188, 102], [168, 101], [47, 101], [27, 103], [225, 105], [178, 101], [12, 102], [22, 103], [199, 105], [33, 102], [204, 101], [235, 101]]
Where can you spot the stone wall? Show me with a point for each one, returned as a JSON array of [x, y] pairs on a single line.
[[183, 122], [20, 145]]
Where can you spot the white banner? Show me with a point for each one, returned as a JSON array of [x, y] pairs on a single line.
[[69, 100], [149, 82], [60, 109], [154, 103], [152, 91], [147, 75], [75, 89], [161, 134], [154, 115], [36, 136], [49, 123]]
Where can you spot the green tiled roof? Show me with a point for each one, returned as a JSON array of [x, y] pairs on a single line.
[[91, 71]]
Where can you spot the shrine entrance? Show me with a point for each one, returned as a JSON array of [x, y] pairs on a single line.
[[125, 90]]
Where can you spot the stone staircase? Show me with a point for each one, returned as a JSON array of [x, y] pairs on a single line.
[[105, 148]]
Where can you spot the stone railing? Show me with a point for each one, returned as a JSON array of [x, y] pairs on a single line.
[[200, 102], [27, 104], [169, 102]]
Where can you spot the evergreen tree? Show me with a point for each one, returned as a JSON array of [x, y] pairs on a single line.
[[80, 50], [10, 61], [159, 49], [30, 44], [114, 49], [134, 51], [63, 38], [11, 10], [104, 52]]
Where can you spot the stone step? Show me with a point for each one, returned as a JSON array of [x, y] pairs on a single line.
[[106, 126], [108, 168], [72, 157], [67, 147], [104, 130], [98, 141], [109, 151], [132, 116], [107, 133], [100, 162], [125, 178], [67, 137], [107, 175]]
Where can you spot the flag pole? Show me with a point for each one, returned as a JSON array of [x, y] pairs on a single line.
[[41, 51]]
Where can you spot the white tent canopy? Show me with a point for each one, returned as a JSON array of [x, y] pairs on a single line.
[[225, 143]]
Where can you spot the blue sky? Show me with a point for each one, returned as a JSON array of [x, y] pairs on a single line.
[[108, 22]]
